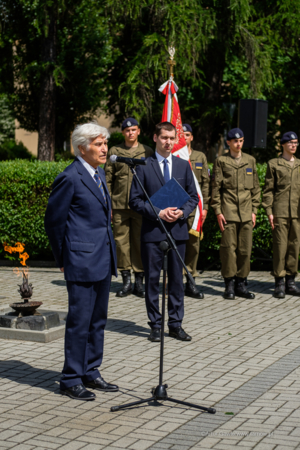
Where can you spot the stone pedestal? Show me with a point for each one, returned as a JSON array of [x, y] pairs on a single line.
[[44, 321]]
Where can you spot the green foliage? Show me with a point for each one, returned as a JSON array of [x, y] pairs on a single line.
[[24, 191], [83, 56], [116, 138], [7, 123], [12, 150], [64, 156]]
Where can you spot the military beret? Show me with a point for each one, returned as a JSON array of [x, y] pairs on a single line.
[[289, 136], [129, 122], [235, 133], [187, 127]]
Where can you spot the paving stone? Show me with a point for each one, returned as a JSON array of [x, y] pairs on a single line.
[[252, 372]]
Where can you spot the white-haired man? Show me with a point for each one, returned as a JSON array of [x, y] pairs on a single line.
[[77, 222]]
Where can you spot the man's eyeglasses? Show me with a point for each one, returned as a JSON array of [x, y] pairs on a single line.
[[293, 144]]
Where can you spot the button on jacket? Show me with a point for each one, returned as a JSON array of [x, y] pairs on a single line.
[[235, 188], [119, 176], [281, 195]]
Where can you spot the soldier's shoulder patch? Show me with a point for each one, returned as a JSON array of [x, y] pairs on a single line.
[[249, 171], [199, 165]]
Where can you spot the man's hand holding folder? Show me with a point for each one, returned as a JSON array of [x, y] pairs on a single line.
[[170, 214]]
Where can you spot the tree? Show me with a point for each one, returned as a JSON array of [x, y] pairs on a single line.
[[56, 54], [224, 51]]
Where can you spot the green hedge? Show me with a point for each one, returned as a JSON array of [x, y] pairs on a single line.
[[11, 150], [24, 190], [25, 187]]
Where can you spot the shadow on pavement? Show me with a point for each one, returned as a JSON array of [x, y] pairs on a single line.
[[126, 327], [255, 286], [24, 373], [59, 282]]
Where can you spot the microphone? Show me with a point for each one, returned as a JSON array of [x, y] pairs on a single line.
[[129, 161]]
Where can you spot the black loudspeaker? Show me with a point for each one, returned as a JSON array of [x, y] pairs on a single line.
[[253, 117]]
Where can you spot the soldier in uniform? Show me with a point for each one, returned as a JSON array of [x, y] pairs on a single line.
[[235, 199], [200, 168], [281, 200], [126, 223]]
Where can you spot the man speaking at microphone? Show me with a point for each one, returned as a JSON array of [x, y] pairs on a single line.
[[160, 168]]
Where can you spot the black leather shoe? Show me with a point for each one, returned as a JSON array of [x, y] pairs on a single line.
[[229, 289], [192, 291], [179, 333], [290, 286], [138, 289], [241, 290], [78, 392], [279, 291], [155, 335], [101, 385], [127, 286]]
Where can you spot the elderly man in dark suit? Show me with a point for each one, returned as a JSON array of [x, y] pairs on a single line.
[[77, 222], [159, 169]]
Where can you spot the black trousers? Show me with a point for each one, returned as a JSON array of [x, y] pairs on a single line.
[[84, 338], [152, 258]]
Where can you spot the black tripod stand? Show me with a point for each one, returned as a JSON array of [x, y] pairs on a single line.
[[160, 392]]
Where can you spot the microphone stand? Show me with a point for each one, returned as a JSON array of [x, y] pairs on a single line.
[[160, 392]]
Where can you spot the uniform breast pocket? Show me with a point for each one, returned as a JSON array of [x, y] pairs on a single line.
[[229, 178], [249, 178], [283, 177]]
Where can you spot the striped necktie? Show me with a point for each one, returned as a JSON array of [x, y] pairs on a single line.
[[100, 184]]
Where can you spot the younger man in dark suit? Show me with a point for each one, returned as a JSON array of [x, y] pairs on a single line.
[[159, 169]]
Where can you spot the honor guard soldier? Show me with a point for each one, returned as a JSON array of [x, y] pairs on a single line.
[[126, 223], [235, 199], [200, 168], [281, 200]]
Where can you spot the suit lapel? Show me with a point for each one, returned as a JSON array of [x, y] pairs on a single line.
[[89, 182], [102, 176], [157, 170], [175, 167]]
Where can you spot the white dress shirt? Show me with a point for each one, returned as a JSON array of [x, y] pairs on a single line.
[[91, 170], [160, 160]]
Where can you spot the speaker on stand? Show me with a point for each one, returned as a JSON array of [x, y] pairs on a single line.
[[253, 120]]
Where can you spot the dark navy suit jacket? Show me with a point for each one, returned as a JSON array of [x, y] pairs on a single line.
[[152, 180], [77, 222]]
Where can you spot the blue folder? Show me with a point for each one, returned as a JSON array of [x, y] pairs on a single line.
[[171, 194]]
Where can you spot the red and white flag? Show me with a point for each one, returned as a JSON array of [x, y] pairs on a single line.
[[171, 113]]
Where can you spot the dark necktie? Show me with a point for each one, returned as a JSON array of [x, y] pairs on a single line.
[[100, 185], [166, 170]]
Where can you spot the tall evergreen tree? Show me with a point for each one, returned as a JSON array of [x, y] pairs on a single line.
[[55, 54]]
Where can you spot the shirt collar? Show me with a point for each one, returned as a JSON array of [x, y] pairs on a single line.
[[91, 170], [161, 158]]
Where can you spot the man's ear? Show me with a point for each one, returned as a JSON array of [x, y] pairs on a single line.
[[82, 149], [228, 143], [192, 138], [155, 138]]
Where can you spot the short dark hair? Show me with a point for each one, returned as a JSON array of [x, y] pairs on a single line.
[[164, 126]]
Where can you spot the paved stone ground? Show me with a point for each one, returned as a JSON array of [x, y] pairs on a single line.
[[244, 360]]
